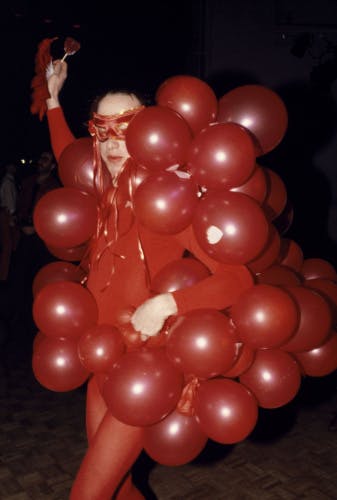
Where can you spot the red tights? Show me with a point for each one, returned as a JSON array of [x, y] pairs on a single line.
[[113, 449]]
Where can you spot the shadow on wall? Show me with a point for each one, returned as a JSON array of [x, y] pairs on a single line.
[[312, 126]]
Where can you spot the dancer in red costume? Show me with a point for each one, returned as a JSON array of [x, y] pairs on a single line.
[[118, 280]]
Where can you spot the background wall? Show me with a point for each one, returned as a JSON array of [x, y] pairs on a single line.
[[291, 47], [287, 45]]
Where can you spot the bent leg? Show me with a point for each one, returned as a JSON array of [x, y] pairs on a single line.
[[112, 452]]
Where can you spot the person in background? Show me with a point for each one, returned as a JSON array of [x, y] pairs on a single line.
[[31, 253], [8, 189], [33, 187], [8, 229]]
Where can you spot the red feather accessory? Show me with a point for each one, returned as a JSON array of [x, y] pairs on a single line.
[[43, 61], [39, 82]]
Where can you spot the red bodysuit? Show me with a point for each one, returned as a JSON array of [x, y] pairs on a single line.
[[119, 280]]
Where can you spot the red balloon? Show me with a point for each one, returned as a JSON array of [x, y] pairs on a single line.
[[56, 365], [320, 361], [76, 167], [258, 109], [265, 316], [165, 203], [318, 268], [279, 276], [64, 309], [255, 186], [176, 440], [291, 254], [158, 137], [276, 199], [202, 343], [191, 97], [143, 387], [221, 156], [178, 274], [328, 289], [269, 254], [65, 217], [230, 227], [242, 363], [226, 410], [274, 378], [315, 320], [56, 271], [73, 254], [100, 347]]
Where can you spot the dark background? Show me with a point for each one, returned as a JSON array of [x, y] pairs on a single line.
[[289, 46], [123, 44]]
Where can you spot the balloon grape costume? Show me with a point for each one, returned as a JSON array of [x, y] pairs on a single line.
[[207, 372]]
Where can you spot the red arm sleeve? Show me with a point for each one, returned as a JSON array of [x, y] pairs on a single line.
[[60, 134], [220, 290]]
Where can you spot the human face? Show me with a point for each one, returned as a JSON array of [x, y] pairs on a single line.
[[113, 149], [45, 163]]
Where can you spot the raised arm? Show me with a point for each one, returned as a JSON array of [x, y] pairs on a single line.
[[60, 134]]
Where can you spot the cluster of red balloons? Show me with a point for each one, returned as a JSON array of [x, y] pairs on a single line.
[[208, 373]]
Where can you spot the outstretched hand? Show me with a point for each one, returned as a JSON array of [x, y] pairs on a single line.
[[149, 317], [56, 76]]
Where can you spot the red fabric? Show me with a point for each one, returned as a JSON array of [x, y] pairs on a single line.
[[60, 134], [186, 402]]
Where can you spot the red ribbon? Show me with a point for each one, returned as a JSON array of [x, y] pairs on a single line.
[[186, 402]]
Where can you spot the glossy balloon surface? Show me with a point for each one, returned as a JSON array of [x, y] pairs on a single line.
[[221, 156], [176, 440], [191, 97], [143, 387], [226, 410], [202, 343], [165, 203], [230, 227], [64, 309], [274, 378], [265, 316], [158, 137], [56, 364], [65, 217], [260, 110]]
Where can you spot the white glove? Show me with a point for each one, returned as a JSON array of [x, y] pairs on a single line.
[[149, 318], [56, 75]]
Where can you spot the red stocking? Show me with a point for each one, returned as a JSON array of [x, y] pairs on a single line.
[[128, 491], [95, 408], [111, 454]]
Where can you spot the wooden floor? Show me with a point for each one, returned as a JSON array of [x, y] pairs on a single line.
[[292, 454]]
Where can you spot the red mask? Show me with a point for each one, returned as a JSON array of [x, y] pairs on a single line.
[[112, 126]]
